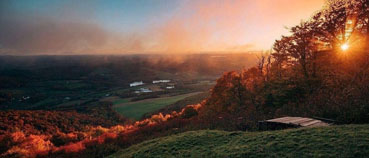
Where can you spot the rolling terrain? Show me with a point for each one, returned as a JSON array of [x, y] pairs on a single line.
[[332, 141], [69, 82]]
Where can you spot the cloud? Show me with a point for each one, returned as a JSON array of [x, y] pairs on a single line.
[[203, 26], [235, 25], [67, 32], [38, 33], [195, 26]]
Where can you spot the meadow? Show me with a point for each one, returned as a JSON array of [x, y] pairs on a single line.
[[332, 141]]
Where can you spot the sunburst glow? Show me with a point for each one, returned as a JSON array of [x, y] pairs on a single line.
[[345, 47]]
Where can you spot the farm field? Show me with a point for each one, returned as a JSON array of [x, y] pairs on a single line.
[[135, 110]]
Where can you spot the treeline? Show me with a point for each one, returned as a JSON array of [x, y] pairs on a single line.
[[93, 141], [51, 122], [320, 70], [28, 133], [125, 68]]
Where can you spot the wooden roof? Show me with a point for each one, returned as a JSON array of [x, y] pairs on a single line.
[[298, 121]]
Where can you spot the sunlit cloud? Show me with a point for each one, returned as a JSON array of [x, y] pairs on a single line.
[[192, 27]]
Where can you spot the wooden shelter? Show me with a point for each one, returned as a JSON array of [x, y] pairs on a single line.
[[290, 122]]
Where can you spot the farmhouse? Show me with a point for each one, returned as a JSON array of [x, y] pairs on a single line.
[[290, 122], [134, 84], [160, 81], [170, 87]]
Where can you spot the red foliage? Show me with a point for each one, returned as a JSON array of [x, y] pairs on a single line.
[[68, 144], [73, 147], [48, 122]]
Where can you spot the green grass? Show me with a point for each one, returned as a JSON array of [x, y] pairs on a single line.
[[71, 103], [135, 110], [334, 141], [121, 101], [177, 106], [46, 101]]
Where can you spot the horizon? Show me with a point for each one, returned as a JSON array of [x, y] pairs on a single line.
[[129, 27], [141, 54]]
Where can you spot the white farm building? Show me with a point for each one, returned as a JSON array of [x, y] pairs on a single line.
[[134, 84], [160, 81]]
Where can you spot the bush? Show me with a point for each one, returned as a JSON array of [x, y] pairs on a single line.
[[189, 112]]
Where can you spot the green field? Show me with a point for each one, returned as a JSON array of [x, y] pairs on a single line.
[[333, 141], [135, 110], [121, 101]]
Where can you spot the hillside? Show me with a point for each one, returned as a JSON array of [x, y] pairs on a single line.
[[334, 141]]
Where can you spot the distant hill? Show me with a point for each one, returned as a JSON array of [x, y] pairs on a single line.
[[333, 141]]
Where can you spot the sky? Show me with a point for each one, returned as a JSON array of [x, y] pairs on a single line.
[[30, 27]]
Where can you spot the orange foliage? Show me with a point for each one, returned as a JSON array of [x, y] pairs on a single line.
[[17, 137], [73, 147], [33, 145], [30, 146]]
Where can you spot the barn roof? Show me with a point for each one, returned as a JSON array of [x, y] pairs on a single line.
[[298, 121]]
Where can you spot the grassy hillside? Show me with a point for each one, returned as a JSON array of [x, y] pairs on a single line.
[[334, 141]]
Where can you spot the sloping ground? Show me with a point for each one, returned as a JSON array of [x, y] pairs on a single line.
[[333, 141]]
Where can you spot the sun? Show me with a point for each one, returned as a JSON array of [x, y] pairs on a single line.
[[345, 46]]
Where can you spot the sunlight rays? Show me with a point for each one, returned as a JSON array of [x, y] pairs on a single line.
[[345, 47]]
